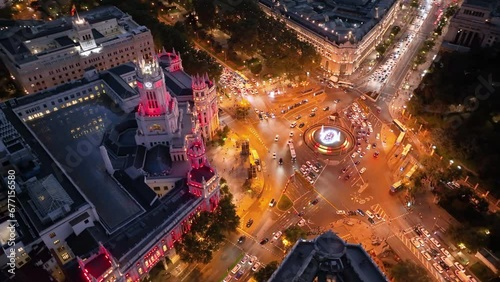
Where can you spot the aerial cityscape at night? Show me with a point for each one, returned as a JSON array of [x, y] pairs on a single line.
[[249, 140]]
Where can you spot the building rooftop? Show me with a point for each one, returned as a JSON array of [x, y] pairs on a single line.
[[202, 173], [85, 123], [140, 234], [339, 21], [327, 257], [47, 168], [179, 83], [98, 265], [29, 41], [82, 243]]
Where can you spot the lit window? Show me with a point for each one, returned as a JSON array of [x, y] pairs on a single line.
[[56, 242], [52, 235], [65, 256], [140, 270]]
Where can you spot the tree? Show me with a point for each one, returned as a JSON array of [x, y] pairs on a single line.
[[408, 271], [226, 213], [265, 273], [242, 109], [473, 238], [294, 233]]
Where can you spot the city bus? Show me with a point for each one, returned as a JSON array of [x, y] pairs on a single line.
[[255, 156], [292, 151], [462, 276], [400, 138], [412, 171], [406, 150], [399, 125], [396, 186], [345, 84]]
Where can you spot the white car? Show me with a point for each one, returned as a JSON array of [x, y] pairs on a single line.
[[302, 222], [420, 241], [274, 155], [256, 267], [361, 171], [435, 242], [438, 267], [459, 266], [425, 232], [341, 212], [244, 260], [445, 252], [276, 138], [291, 134], [354, 155], [415, 243], [315, 169], [369, 214], [426, 255], [252, 260], [308, 163], [277, 235]]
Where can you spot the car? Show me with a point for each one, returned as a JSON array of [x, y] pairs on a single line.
[[368, 147], [301, 222], [359, 149], [371, 220], [424, 232], [312, 114], [272, 203], [362, 170], [291, 134], [357, 162], [355, 154], [378, 217], [459, 266], [415, 243], [374, 145], [314, 202], [304, 171], [256, 267], [369, 214], [238, 275], [227, 279], [309, 179], [252, 260], [314, 109], [280, 161], [236, 268], [241, 239], [435, 242], [438, 267], [315, 169], [443, 264], [434, 252], [293, 124], [426, 255], [445, 252], [301, 125], [375, 155], [277, 235], [326, 108], [420, 241], [419, 233], [344, 170], [249, 223], [347, 177], [308, 163], [360, 212], [301, 213], [298, 117], [244, 260], [276, 138], [264, 241], [341, 212]]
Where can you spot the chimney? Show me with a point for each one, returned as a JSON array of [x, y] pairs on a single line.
[[376, 12]]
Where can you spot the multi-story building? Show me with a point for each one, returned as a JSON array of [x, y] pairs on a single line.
[[328, 258], [476, 24], [120, 129], [41, 55], [343, 32]]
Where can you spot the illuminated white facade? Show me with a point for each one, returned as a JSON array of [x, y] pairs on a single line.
[[53, 53], [343, 39]]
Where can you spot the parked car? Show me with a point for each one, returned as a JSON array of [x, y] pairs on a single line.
[[264, 241], [435, 242], [277, 235], [361, 171], [360, 212], [250, 222], [256, 267], [459, 266], [426, 255], [241, 239], [272, 203]]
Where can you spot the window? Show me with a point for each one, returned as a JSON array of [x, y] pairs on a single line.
[[57, 242], [52, 235], [140, 270], [156, 188], [65, 256]]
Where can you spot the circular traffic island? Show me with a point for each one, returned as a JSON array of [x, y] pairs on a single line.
[[330, 140]]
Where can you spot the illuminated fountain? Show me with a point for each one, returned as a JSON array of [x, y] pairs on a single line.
[[329, 139]]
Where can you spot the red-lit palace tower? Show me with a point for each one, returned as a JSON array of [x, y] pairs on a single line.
[[158, 114], [205, 105]]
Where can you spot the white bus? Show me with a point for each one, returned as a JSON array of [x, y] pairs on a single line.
[[406, 150], [292, 152], [400, 138], [399, 125], [412, 171], [396, 186], [345, 84]]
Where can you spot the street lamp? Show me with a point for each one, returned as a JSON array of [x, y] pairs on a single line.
[[451, 162], [433, 149]]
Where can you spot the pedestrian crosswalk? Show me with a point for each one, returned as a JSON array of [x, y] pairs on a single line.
[[377, 209]]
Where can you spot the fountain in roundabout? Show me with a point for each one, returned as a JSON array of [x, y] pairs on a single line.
[[329, 139]]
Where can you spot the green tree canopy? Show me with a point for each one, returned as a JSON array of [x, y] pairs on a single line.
[[294, 233], [265, 273], [405, 271]]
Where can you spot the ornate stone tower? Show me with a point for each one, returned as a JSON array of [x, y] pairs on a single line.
[[158, 113], [172, 60], [203, 180], [84, 32], [205, 104]]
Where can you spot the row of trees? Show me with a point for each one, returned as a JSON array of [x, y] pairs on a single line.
[[208, 230], [254, 33]]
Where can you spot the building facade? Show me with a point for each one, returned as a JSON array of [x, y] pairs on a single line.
[[476, 24], [47, 54], [344, 33]]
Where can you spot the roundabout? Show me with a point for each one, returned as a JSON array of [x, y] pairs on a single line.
[[330, 140]]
